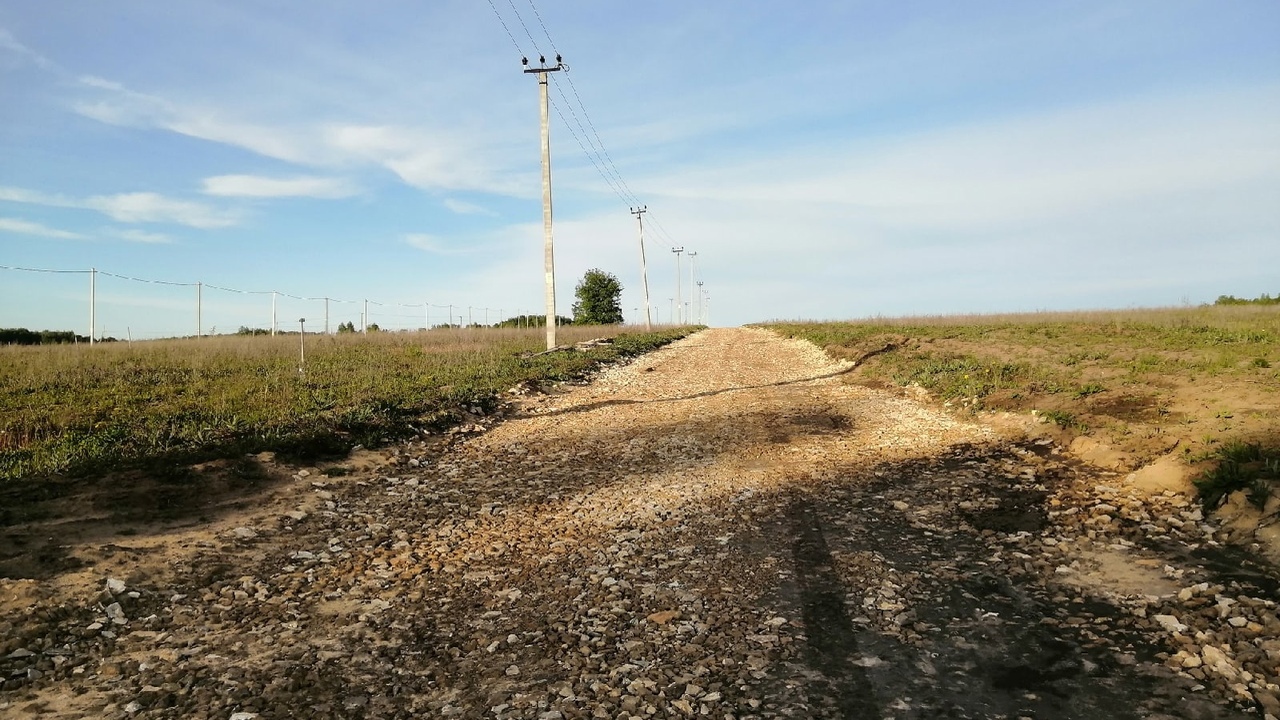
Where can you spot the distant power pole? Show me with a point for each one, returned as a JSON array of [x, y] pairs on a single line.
[[679, 304], [548, 261], [644, 269], [701, 320], [689, 315]]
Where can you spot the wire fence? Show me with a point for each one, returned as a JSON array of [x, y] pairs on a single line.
[[99, 304]]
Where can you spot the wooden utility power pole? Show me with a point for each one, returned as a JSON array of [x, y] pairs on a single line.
[[548, 252], [644, 270]]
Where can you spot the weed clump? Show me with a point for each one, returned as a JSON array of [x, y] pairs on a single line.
[[1240, 466]]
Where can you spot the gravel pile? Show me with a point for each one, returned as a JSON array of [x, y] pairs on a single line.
[[723, 529]]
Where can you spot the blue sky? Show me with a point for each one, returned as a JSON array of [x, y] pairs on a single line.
[[825, 160]]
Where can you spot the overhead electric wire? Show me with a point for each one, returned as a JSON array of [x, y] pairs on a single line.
[[544, 27], [45, 270], [144, 280], [617, 190], [504, 27], [526, 27], [589, 135]]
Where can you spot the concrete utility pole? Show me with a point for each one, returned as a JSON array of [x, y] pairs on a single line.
[[199, 320], [548, 252], [701, 321], [690, 316], [364, 318], [679, 304], [273, 313], [644, 269], [326, 316]]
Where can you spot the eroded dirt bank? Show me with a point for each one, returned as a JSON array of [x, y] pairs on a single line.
[[722, 529]]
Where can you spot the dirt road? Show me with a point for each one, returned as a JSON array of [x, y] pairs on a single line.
[[724, 529]]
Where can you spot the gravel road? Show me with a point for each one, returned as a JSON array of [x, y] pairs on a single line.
[[724, 528]]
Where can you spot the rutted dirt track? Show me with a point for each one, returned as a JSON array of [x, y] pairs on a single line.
[[722, 529]]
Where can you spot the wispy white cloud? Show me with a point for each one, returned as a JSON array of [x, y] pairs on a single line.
[[429, 158], [137, 207], [465, 208], [142, 236], [31, 197], [10, 44], [268, 187], [25, 227], [439, 246], [116, 104], [148, 207], [1012, 171]]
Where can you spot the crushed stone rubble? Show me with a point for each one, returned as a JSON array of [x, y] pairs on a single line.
[[723, 529]]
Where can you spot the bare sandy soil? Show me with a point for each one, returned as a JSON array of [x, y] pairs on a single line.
[[724, 528]]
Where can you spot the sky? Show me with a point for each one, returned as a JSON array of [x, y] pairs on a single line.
[[824, 160]]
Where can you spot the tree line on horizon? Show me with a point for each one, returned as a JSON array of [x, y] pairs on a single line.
[[599, 302], [1263, 299]]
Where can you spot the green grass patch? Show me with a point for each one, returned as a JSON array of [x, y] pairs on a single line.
[[80, 409], [954, 377], [1065, 420], [1240, 466]]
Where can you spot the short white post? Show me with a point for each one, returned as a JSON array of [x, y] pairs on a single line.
[[93, 303]]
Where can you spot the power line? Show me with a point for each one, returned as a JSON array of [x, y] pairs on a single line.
[[604, 163], [526, 27], [592, 125], [544, 26], [504, 27], [144, 280], [44, 270], [616, 190], [587, 136]]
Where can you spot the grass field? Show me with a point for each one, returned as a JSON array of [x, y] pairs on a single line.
[[80, 409], [1204, 380]]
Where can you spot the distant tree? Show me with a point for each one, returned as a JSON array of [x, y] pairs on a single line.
[[1263, 299], [373, 328], [23, 336], [532, 321], [346, 327], [599, 299]]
